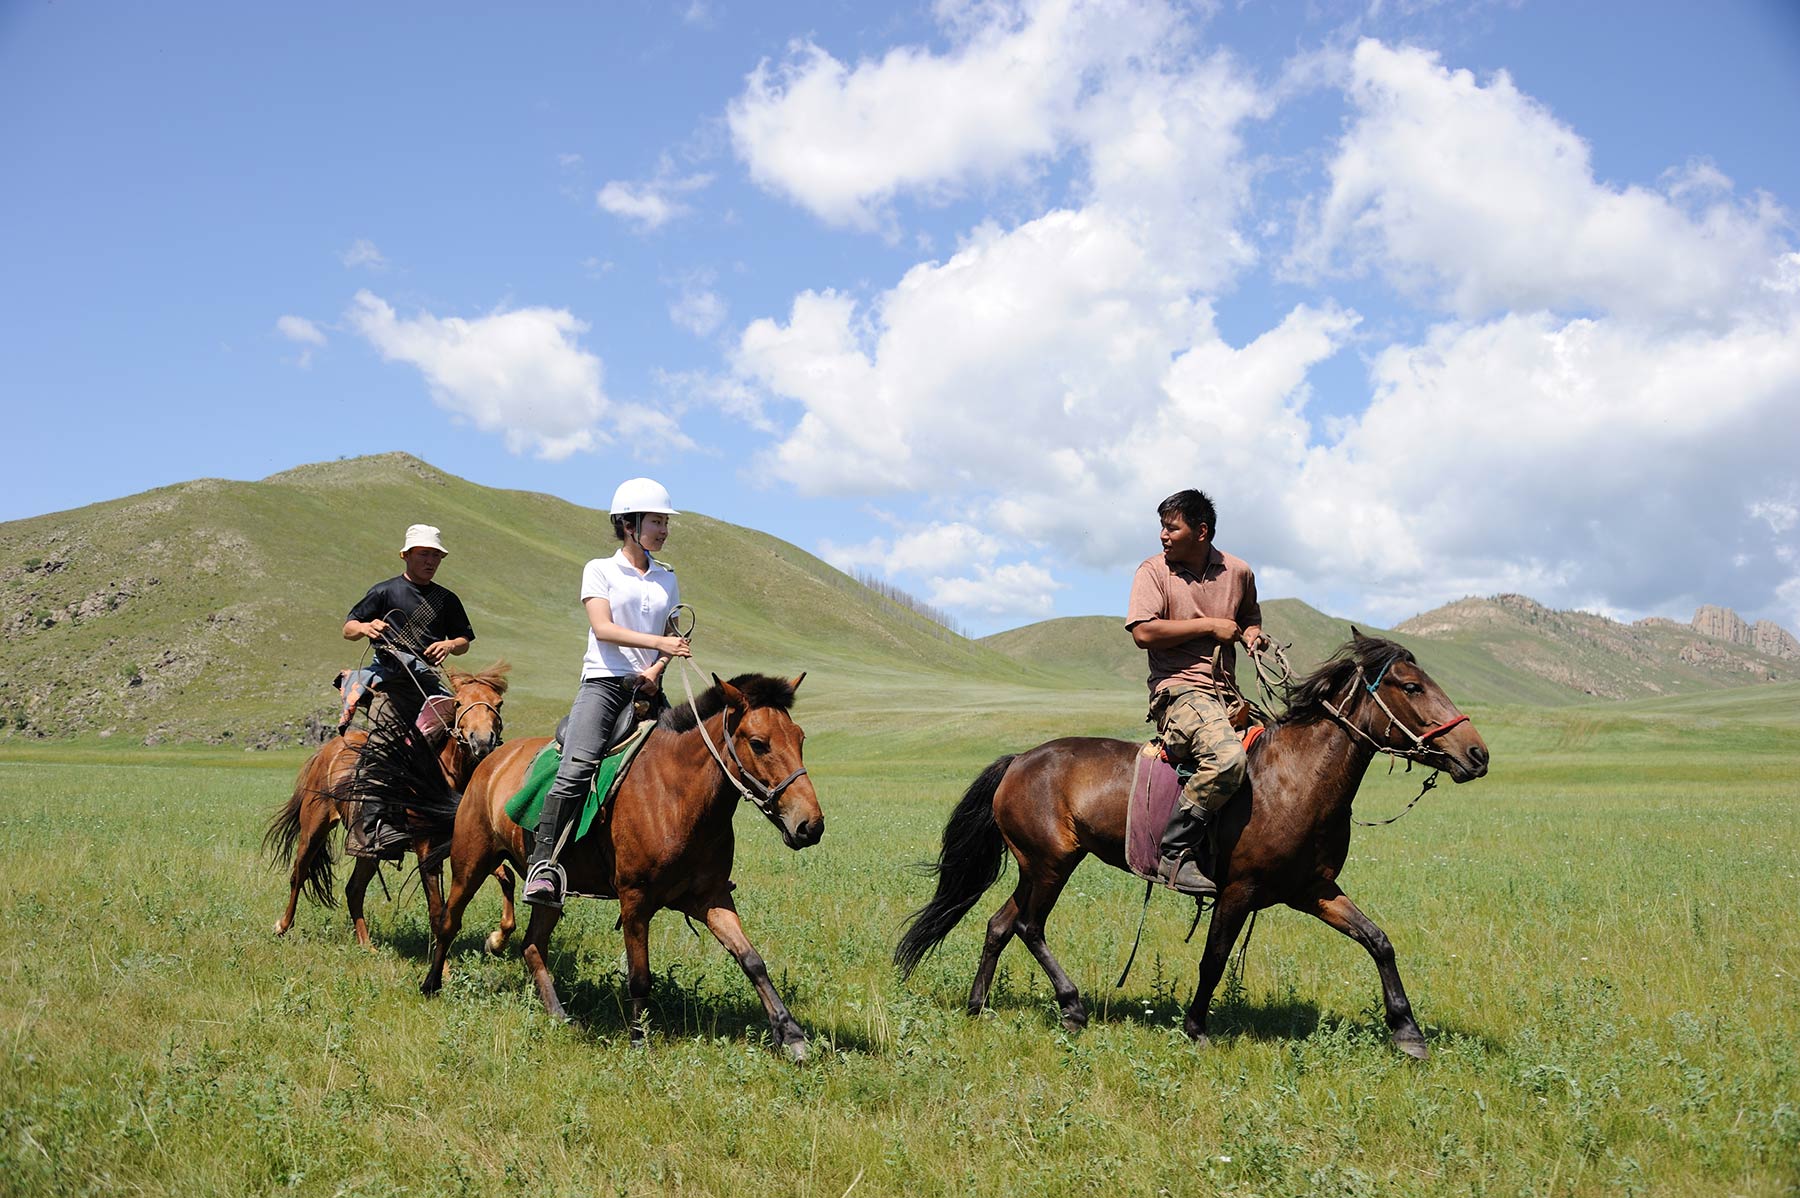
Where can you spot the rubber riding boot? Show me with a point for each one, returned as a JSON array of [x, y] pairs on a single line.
[[1183, 842], [545, 883]]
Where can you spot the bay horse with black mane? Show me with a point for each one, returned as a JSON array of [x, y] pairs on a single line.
[[664, 841], [299, 833], [1282, 839]]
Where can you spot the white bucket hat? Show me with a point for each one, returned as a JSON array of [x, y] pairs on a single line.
[[423, 536]]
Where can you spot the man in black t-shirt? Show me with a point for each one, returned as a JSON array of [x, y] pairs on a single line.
[[414, 624]]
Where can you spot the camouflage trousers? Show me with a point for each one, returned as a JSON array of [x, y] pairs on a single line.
[[1196, 731]]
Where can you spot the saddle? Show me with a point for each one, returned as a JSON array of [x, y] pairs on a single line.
[[528, 801], [1155, 789]]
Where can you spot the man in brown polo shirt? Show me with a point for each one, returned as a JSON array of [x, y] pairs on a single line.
[[1186, 602]]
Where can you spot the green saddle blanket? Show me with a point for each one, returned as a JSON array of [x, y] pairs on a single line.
[[527, 803]]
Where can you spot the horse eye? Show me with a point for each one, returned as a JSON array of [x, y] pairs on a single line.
[[1413, 688], [759, 745]]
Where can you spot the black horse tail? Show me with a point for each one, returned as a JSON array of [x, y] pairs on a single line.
[[970, 863], [398, 773], [283, 835]]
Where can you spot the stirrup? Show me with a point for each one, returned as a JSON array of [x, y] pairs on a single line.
[[546, 884]]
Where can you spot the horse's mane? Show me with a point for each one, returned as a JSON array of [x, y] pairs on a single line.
[[494, 676], [760, 689], [1306, 702]]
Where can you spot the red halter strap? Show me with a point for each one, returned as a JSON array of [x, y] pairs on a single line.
[[1442, 728]]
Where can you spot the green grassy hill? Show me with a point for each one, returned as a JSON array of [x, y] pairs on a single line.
[[212, 610]]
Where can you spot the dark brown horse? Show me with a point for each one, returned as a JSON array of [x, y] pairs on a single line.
[[299, 833], [665, 841], [1282, 839]]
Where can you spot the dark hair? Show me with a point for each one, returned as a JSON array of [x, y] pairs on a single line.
[[759, 690], [619, 522], [1328, 683], [1194, 507]]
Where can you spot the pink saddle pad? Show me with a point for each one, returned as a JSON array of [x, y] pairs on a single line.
[[1155, 787]]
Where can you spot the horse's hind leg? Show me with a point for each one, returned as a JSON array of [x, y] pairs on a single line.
[[1335, 908], [314, 839], [1000, 930], [1043, 894]]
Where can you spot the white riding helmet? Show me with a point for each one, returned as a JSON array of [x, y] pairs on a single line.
[[641, 495]]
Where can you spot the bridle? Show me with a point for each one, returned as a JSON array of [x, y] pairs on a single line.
[[750, 788], [1422, 749], [766, 799], [462, 738]]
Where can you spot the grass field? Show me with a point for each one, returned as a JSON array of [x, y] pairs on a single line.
[[1598, 938]]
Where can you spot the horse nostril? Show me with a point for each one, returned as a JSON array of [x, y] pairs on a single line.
[[1478, 755]]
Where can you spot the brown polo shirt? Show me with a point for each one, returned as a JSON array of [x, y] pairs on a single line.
[[1159, 591]]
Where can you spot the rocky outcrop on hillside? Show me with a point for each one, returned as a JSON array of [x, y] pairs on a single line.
[[1601, 657], [1764, 636]]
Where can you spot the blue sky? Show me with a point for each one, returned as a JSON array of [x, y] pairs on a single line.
[[1434, 298]]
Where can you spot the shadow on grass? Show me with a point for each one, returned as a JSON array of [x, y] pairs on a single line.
[[684, 1002], [1275, 1019]]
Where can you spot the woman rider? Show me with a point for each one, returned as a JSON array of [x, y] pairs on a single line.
[[628, 597]]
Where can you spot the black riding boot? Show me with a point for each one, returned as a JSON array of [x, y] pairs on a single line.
[[1184, 844]]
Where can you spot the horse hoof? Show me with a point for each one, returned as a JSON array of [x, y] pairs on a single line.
[[796, 1051], [1075, 1023], [1195, 1033], [280, 928], [430, 988], [1413, 1046], [494, 945]]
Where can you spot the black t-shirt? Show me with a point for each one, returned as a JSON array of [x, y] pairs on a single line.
[[417, 615]]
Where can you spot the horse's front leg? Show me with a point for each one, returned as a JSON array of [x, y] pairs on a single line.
[[431, 881], [354, 890], [496, 941], [1335, 908], [634, 924], [536, 954], [1230, 910], [721, 916]]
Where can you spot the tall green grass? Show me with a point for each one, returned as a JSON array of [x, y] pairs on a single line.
[[1598, 938]]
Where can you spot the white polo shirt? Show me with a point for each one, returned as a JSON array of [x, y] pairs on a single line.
[[640, 602]]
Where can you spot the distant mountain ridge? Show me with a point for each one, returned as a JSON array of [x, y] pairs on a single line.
[[1503, 649], [211, 610], [1596, 657]]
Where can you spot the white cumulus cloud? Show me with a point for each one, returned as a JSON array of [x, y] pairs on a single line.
[[1020, 590], [363, 253], [1474, 195], [298, 328], [651, 203], [699, 309], [520, 373], [843, 140]]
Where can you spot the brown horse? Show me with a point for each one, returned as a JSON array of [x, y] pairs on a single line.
[[299, 832], [1282, 839], [665, 841]]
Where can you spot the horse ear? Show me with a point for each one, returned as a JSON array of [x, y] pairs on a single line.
[[795, 684], [1355, 633], [732, 694]]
